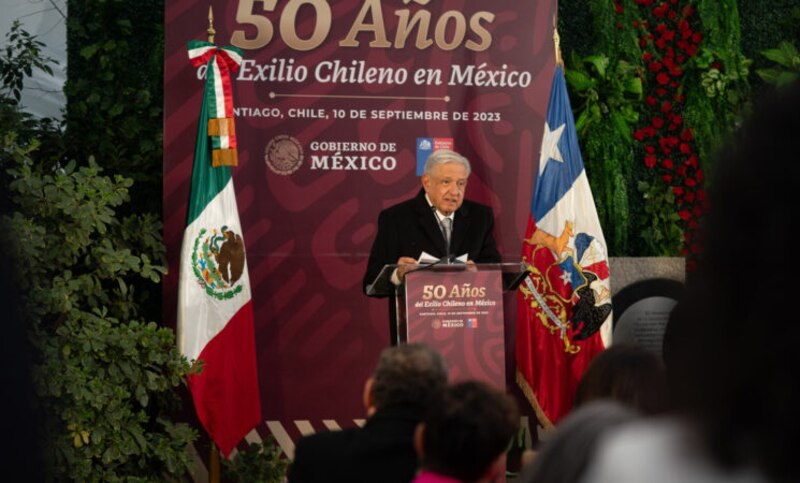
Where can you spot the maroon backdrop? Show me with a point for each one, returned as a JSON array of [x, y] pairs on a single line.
[[308, 227]]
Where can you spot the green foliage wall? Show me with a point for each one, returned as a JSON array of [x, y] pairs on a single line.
[[115, 91]]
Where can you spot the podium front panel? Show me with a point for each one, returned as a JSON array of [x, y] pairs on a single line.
[[460, 314]]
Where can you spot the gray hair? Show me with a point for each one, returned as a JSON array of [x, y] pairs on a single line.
[[442, 156], [410, 374]]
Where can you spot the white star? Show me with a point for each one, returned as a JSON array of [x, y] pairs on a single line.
[[566, 277], [550, 146]]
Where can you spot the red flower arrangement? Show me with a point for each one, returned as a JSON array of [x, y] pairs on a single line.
[[669, 145]]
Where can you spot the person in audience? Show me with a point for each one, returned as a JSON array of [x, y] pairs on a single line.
[[407, 380], [563, 457], [464, 438], [732, 364], [628, 374]]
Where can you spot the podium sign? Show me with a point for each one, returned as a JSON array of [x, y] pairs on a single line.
[[459, 312]]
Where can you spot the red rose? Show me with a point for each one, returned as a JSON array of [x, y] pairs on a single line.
[[676, 72], [672, 15], [680, 59], [689, 182], [692, 225], [659, 11], [701, 195], [660, 43], [692, 161], [650, 149], [685, 252], [650, 161], [667, 179], [681, 170], [654, 66], [688, 10], [646, 57], [661, 92], [677, 119], [642, 42], [697, 37], [649, 130], [670, 52], [667, 163], [677, 191], [683, 25], [685, 148], [684, 214], [635, 23], [618, 8], [678, 98], [639, 135], [700, 176], [662, 78], [690, 196], [690, 50], [668, 35], [660, 28], [685, 34], [716, 65], [657, 122], [619, 24], [686, 134], [650, 100], [666, 106], [669, 63], [698, 211], [673, 84]]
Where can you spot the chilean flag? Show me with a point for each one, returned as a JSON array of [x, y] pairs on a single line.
[[564, 305]]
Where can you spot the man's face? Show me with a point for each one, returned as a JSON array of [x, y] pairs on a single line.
[[445, 186]]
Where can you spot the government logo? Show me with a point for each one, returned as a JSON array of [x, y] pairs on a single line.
[[218, 262], [283, 155]]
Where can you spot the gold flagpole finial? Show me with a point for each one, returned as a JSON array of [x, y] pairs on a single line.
[[557, 43], [211, 32]]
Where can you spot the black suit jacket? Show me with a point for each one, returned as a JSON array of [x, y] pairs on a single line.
[[409, 228], [383, 450]]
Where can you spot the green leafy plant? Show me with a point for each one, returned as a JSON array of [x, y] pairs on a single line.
[[787, 58], [106, 380], [662, 233], [21, 55], [263, 463], [607, 95]]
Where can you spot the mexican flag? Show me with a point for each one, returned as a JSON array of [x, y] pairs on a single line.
[[215, 312]]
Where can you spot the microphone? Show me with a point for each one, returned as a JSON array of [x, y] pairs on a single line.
[[446, 227]]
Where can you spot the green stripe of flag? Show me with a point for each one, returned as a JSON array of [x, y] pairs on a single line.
[[206, 181]]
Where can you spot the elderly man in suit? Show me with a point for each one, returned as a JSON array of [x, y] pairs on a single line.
[[438, 221], [408, 379]]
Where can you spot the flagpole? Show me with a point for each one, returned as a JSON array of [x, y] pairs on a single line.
[[557, 43], [211, 32], [214, 474]]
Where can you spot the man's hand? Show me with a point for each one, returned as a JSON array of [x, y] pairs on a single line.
[[401, 271]]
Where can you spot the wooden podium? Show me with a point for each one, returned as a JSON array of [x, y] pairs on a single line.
[[458, 310]]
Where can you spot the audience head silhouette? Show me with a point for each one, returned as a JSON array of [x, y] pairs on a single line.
[[628, 374], [465, 435]]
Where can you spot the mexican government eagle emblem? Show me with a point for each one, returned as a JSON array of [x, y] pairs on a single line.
[[218, 262]]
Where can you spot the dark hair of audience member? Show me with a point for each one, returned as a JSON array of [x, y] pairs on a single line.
[[408, 375], [563, 458], [628, 374], [733, 362], [468, 430]]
